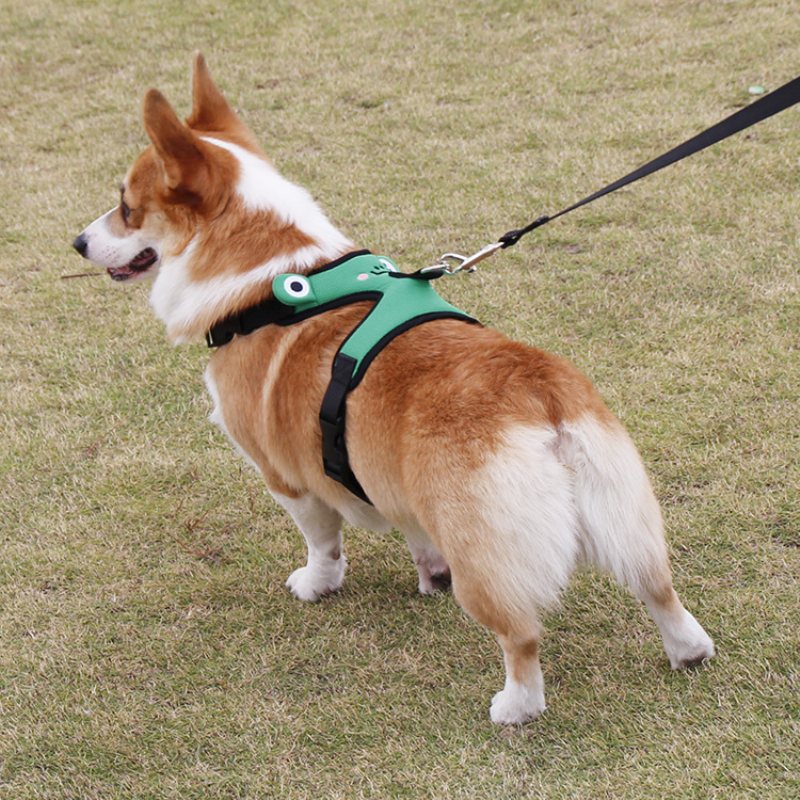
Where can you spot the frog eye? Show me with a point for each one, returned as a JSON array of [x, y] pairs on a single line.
[[388, 264], [297, 286]]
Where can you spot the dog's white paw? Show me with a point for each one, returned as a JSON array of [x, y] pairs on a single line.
[[516, 704], [689, 646], [311, 582]]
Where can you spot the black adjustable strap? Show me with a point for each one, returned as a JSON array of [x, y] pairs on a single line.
[[332, 422], [257, 316], [778, 100]]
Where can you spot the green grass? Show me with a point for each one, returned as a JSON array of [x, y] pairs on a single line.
[[148, 648]]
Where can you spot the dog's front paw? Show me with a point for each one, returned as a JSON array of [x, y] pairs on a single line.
[[515, 705], [311, 582]]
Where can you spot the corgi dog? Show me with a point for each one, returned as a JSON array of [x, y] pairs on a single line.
[[499, 463]]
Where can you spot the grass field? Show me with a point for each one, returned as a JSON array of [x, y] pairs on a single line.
[[148, 648]]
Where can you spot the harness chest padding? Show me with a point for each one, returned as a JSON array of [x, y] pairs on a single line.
[[401, 302]]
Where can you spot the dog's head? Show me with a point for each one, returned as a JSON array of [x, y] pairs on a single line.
[[203, 211], [175, 187]]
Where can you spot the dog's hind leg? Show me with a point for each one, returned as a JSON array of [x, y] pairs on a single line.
[[488, 595], [321, 527], [622, 530], [519, 633], [509, 533]]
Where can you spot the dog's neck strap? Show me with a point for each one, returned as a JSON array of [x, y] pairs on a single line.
[[402, 301], [268, 312]]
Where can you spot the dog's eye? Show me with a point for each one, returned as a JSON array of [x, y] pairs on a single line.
[[124, 210]]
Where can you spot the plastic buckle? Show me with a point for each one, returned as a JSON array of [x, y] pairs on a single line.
[[217, 338], [334, 455]]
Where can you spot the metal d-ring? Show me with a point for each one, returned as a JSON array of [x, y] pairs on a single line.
[[452, 263]]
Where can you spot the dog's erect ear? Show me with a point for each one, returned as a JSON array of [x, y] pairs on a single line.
[[176, 145], [210, 109], [211, 112]]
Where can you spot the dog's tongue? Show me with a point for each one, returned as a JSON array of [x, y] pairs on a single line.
[[142, 261]]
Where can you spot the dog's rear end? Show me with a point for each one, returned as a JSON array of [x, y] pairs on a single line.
[[500, 463], [510, 462]]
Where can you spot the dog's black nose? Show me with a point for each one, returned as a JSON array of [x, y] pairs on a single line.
[[80, 244]]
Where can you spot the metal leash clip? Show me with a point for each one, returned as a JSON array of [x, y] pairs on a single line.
[[452, 263]]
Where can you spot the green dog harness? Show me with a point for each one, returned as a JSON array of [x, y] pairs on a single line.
[[402, 301]]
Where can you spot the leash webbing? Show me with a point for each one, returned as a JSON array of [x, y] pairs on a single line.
[[778, 100], [774, 102]]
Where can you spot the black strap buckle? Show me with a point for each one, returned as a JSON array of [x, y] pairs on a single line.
[[218, 336], [334, 452], [222, 333]]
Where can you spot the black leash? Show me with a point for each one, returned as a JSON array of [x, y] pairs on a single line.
[[763, 108]]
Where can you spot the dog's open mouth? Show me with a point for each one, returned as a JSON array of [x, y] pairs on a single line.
[[140, 263]]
